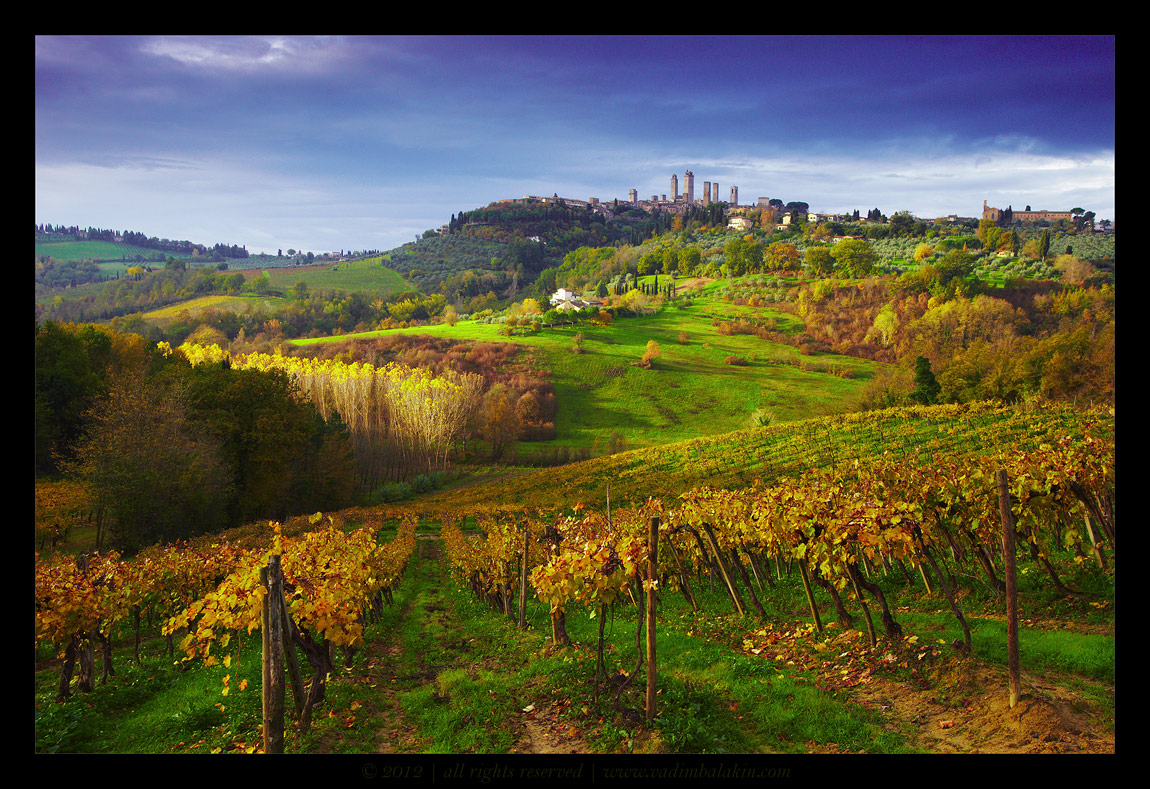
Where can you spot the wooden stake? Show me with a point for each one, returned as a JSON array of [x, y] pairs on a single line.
[[523, 580], [1007, 519], [723, 569], [810, 595], [1094, 542], [683, 582], [273, 657], [652, 575], [291, 659]]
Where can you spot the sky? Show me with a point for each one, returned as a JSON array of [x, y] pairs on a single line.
[[352, 143]]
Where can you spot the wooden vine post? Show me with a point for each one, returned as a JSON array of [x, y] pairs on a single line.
[[271, 577], [810, 594], [1007, 519], [523, 579], [652, 575], [292, 662]]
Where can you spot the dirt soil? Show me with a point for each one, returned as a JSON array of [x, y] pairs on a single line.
[[958, 704], [543, 732]]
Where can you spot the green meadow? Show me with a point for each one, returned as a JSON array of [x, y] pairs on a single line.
[[218, 302], [366, 275], [103, 251], [690, 389]]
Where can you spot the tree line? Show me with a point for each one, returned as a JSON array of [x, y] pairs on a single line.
[[134, 238], [166, 450]]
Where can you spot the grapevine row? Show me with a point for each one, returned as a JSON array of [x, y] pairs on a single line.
[[839, 526], [335, 583]]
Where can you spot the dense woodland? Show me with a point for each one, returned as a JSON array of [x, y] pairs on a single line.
[[167, 450]]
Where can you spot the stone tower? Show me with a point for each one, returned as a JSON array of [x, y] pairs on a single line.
[[689, 187], [734, 195], [674, 188], [706, 192]]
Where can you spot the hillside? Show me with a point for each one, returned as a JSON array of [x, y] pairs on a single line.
[[690, 390], [737, 459], [521, 236], [444, 666]]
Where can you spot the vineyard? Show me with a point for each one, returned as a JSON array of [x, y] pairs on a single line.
[[865, 600]]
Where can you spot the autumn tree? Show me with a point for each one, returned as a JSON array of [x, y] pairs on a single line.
[[819, 261], [653, 352], [498, 422], [528, 409], [151, 472], [781, 256], [1073, 270], [855, 256]]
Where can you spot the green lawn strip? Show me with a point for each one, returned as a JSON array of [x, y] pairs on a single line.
[[456, 681], [716, 699], [1084, 654]]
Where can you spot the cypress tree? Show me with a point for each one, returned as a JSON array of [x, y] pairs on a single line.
[[926, 388], [1044, 244]]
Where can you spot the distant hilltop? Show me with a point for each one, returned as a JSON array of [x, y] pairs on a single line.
[[677, 203]]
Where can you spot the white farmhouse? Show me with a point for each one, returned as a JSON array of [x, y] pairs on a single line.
[[562, 295]]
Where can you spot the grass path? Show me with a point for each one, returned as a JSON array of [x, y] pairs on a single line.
[[444, 674], [441, 677], [456, 677]]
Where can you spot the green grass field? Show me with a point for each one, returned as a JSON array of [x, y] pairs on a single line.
[[216, 301], [367, 275], [690, 390], [96, 250]]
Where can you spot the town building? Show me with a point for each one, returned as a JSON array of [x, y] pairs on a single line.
[[995, 214]]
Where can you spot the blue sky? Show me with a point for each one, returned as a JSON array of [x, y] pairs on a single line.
[[332, 143]]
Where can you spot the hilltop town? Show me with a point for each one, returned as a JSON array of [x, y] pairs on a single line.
[[678, 202]]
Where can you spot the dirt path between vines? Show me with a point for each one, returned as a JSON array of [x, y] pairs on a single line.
[[1048, 718], [956, 705], [387, 672]]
